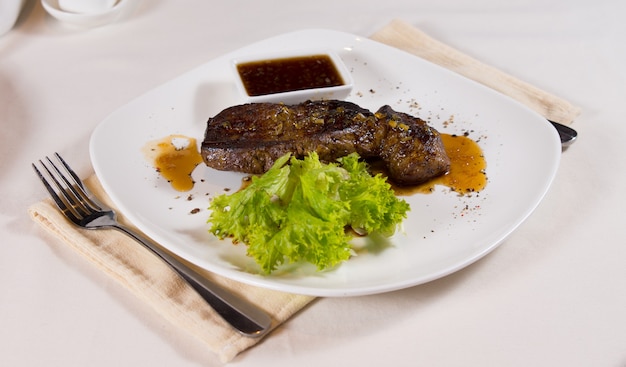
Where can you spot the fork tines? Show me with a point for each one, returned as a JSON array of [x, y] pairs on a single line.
[[65, 188]]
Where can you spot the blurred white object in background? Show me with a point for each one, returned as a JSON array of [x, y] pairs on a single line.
[[86, 6], [9, 12], [89, 16]]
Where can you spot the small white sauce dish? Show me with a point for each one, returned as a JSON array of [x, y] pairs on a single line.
[[92, 13], [86, 6], [9, 12], [300, 95]]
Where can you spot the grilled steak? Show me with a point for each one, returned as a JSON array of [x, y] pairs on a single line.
[[250, 137], [411, 150]]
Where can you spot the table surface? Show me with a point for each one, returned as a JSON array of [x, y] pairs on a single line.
[[553, 294]]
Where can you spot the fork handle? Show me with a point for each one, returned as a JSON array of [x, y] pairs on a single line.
[[248, 319]]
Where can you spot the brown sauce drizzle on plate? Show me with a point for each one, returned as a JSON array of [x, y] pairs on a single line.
[[467, 173], [467, 169], [174, 157]]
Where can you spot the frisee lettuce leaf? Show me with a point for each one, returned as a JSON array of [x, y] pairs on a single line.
[[299, 210]]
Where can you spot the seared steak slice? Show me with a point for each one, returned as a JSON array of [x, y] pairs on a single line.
[[250, 137], [412, 151]]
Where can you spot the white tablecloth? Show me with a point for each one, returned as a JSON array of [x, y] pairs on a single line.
[[554, 293]]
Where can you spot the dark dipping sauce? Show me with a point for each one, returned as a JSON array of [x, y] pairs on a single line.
[[289, 74]]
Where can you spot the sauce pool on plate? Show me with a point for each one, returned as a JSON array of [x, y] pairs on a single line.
[[174, 157], [467, 168]]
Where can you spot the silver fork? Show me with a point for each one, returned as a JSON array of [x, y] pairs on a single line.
[[82, 208]]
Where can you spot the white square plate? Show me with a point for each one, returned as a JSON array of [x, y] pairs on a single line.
[[444, 231]]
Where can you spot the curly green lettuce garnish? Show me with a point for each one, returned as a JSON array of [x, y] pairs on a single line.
[[299, 210]]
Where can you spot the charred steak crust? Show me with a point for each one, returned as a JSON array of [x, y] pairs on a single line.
[[412, 150], [250, 137]]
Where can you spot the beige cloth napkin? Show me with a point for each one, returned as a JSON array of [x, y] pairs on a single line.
[[155, 283], [152, 281]]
